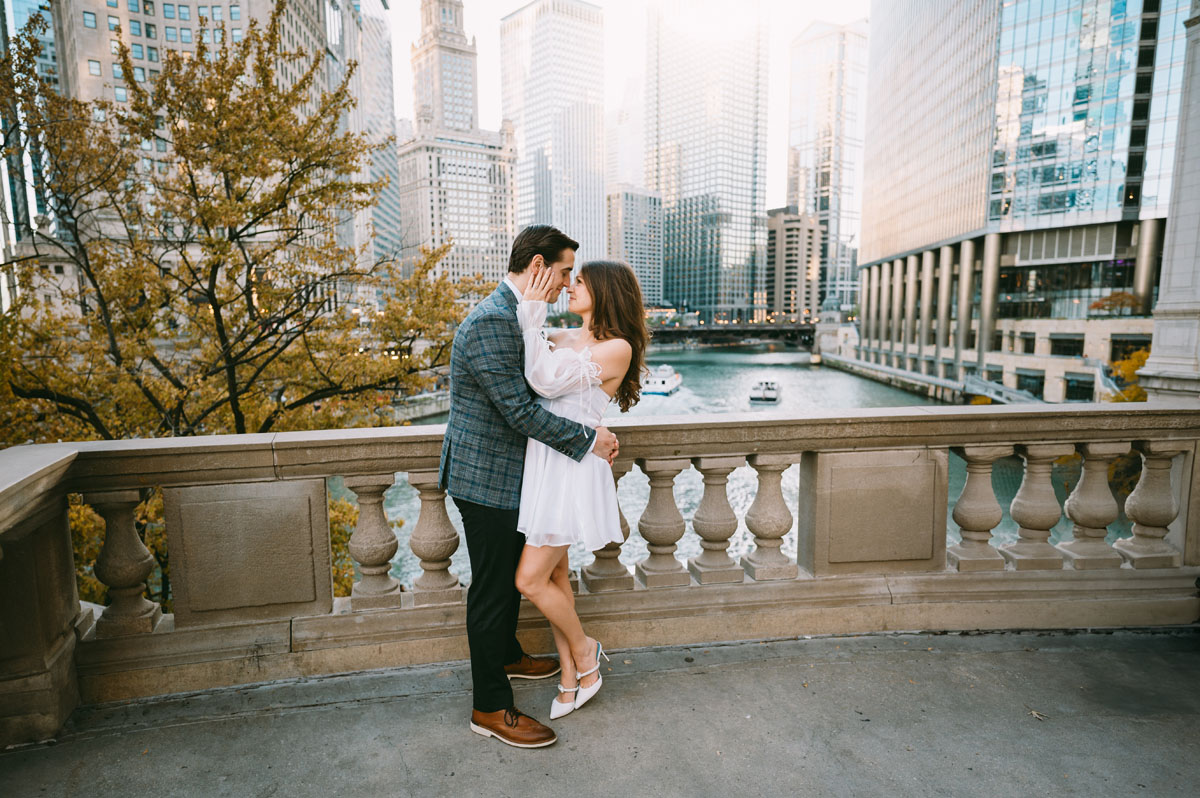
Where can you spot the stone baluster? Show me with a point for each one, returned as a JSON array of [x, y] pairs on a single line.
[[373, 545], [1152, 507], [662, 525], [1036, 509], [977, 512], [123, 565], [606, 573], [434, 540], [715, 523], [1092, 508], [769, 519]]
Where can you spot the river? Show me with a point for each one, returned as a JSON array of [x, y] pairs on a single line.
[[718, 380]]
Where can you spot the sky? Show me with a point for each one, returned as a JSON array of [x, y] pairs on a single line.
[[624, 40]]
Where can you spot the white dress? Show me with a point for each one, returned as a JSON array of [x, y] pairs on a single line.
[[564, 501]]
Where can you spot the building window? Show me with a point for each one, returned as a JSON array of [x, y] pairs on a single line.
[[113, 22], [1032, 381], [185, 12], [93, 67], [169, 10], [148, 8], [237, 34], [185, 35], [1066, 345], [160, 145], [216, 13], [139, 74], [135, 27], [152, 54], [170, 33], [136, 51], [1079, 388], [1123, 346], [118, 73], [235, 13], [151, 31], [133, 5], [202, 13], [121, 94], [1028, 343]]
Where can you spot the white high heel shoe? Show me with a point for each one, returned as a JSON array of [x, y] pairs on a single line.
[[584, 694], [557, 708]]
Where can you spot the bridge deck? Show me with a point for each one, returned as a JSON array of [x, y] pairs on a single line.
[[876, 715]]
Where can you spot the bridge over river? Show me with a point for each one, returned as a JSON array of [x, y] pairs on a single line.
[[797, 334]]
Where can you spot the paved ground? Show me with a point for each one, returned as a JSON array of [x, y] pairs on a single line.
[[893, 715]]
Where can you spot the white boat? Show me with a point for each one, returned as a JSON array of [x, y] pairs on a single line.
[[764, 391], [663, 380]]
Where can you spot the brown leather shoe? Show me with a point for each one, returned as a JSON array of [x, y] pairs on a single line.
[[513, 727], [533, 668]]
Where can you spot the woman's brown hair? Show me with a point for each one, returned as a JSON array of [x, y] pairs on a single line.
[[618, 312]]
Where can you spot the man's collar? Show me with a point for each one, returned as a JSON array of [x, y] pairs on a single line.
[[513, 287]]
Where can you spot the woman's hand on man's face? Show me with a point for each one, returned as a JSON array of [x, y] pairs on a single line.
[[543, 285]]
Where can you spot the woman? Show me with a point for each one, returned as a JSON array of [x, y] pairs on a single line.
[[577, 372]]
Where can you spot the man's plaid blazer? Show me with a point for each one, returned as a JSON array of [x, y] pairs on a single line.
[[493, 411]]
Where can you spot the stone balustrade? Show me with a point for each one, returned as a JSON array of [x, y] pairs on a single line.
[[248, 541]]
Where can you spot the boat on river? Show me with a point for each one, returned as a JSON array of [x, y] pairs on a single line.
[[765, 391], [662, 380]]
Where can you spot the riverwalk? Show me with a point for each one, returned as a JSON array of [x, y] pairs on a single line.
[[1000, 714]]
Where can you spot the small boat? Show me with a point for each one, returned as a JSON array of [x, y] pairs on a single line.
[[764, 391], [662, 380]]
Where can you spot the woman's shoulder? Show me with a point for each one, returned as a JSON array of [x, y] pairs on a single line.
[[615, 349]]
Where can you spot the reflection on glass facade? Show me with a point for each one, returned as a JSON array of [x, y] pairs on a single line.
[[705, 120], [552, 87], [1086, 111], [931, 88], [379, 111], [825, 145]]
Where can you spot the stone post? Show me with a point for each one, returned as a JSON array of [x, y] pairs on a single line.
[[715, 523], [1036, 509], [883, 331], [945, 282], [977, 512], [769, 519], [966, 296], [1152, 507], [662, 525], [434, 540], [989, 289], [606, 572], [897, 335], [123, 565], [1146, 267], [373, 545], [910, 348], [1092, 508], [926, 306], [1173, 369], [864, 310]]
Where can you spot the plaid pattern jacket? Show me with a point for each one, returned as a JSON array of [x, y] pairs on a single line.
[[493, 411]]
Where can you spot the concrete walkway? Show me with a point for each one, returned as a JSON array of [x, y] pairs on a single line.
[[893, 715]]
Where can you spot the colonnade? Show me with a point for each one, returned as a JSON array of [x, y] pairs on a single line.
[[907, 303]]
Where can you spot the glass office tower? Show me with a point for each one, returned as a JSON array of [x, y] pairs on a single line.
[[825, 146], [706, 121], [1017, 181]]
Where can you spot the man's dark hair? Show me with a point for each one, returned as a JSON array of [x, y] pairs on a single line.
[[539, 239]]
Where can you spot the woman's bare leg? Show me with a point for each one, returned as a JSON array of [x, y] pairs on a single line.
[[535, 581], [566, 659]]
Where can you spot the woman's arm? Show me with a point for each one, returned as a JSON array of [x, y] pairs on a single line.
[[550, 372]]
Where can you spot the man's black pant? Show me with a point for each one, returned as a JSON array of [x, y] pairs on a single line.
[[494, 546]]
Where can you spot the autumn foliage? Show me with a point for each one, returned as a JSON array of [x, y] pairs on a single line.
[[192, 276]]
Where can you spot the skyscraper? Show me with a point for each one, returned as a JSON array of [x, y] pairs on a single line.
[[552, 87], [455, 180], [705, 122], [1018, 172], [634, 222], [825, 140], [379, 121], [793, 271]]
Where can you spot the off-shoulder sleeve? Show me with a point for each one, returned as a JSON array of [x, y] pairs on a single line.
[[550, 372]]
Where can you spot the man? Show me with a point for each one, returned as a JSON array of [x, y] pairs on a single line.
[[492, 413]]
